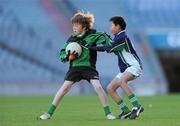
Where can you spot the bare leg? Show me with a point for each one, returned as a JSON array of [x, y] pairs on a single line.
[[100, 91], [103, 98], [123, 82], [61, 92], [111, 88], [137, 108], [57, 99], [120, 82]]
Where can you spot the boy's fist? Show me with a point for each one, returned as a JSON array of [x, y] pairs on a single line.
[[71, 57]]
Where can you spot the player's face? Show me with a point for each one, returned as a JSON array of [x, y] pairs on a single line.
[[115, 28], [77, 28]]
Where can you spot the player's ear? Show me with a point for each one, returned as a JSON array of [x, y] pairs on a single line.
[[118, 27]]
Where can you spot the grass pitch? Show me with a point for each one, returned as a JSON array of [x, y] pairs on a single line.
[[86, 111]]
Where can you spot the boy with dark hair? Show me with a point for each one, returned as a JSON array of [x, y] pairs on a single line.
[[129, 64]]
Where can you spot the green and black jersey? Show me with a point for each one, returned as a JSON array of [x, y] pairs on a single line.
[[88, 57]]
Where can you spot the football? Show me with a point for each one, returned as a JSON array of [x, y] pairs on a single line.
[[74, 47]]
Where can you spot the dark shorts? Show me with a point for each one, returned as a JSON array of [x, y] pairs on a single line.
[[76, 74]]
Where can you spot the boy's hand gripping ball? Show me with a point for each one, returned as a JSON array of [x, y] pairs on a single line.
[[73, 51]]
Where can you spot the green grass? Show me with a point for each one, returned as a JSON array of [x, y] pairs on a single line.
[[86, 111]]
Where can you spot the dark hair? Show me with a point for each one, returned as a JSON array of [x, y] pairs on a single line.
[[118, 20]]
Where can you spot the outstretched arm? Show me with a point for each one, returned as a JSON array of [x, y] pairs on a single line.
[[111, 47], [100, 48]]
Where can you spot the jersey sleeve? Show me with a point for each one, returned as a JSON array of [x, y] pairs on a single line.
[[100, 48], [62, 54], [96, 39]]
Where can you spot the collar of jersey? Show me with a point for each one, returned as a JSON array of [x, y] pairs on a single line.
[[120, 34], [79, 35]]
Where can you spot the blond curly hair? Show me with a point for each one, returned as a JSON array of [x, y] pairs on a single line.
[[86, 19]]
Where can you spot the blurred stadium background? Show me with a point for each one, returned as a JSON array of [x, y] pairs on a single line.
[[33, 31]]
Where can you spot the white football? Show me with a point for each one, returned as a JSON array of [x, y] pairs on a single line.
[[74, 47]]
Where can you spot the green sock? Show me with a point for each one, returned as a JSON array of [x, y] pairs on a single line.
[[123, 106], [107, 110], [51, 109], [133, 100]]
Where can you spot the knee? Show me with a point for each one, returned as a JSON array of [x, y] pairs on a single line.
[[110, 89], [66, 88], [122, 82]]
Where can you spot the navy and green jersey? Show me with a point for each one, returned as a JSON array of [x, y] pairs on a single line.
[[88, 57], [123, 48]]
